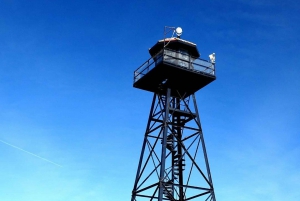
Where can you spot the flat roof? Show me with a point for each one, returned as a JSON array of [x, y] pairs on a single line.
[[176, 44], [179, 39]]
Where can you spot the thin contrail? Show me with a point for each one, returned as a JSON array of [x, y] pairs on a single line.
[[29, 153]]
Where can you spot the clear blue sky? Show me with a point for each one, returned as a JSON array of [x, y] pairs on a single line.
[[66, 95]]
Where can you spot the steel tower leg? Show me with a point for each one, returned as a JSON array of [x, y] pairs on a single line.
[[170, 166], [143, 149], [203, 147]]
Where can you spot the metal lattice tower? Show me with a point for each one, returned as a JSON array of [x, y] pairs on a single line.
[[173, 163]]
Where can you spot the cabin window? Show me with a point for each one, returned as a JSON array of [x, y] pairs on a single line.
[[183, 58]]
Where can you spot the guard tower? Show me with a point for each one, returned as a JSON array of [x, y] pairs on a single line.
[[173, 163]]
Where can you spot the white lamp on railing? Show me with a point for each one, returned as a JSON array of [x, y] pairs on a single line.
[[212, 58]]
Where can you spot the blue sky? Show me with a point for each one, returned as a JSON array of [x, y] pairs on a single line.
[[66, 95]]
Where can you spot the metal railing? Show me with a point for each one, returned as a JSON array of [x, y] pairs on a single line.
[[176, 59]]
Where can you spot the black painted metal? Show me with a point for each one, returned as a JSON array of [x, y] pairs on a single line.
[[168, 68], [171, 166]]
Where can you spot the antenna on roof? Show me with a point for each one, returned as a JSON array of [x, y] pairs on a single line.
[[177, 30]]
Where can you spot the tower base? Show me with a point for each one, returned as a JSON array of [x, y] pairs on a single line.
[[173, 163]]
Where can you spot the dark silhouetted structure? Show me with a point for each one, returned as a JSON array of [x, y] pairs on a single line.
[[173, 164]]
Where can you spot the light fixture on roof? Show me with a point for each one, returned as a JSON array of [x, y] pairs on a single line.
[[178, 31]]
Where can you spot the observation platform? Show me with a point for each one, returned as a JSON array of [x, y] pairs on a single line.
[[179, 69]]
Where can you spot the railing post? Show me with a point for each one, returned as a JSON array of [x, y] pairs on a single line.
[[148, 66], [190, 64]]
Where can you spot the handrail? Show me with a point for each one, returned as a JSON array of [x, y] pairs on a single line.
[[177, 59]]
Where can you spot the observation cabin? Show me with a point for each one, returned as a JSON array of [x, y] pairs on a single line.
[[176, 64]]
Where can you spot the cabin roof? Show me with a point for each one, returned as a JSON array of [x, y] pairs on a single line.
[[176, 44]]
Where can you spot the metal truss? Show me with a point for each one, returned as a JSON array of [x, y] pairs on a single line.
[[173, 164]]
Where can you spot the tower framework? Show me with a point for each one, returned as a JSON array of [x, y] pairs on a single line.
[[173, 163]]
